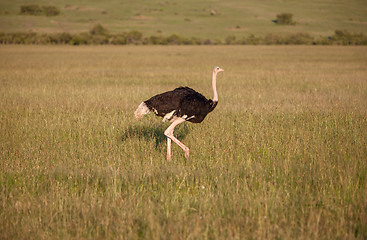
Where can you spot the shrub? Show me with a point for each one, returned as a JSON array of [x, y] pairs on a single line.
[[270, 39], [252, 39], [99, 39], [156, 40], [24, 38], [98, 29], [324, 41], [299, 38], [285, 19], [196, 41], [360, 39], [31, 9], [230, 40], [343, 37], [80, 39], [134, 37], [119, 39], [36, 10], [187, 41], [208, 42], [44, 39], [50, 11], [64, 38], [4, 38], [174, 39]]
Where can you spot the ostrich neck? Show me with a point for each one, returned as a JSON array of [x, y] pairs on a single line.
[[214, 85]]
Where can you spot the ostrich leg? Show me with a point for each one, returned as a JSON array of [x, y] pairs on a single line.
[[169, 134], [169, 149]]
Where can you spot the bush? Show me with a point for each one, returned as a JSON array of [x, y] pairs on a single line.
[[174, 39], [196, 41], [299, 38], [98, 29], [252, 39], [156, 40], [271, 39], [36, 10], [80, 39], [64, 38], [31, 9], [188, 41], [44, 39], [134, 37], [119, 39], [99, 39], [343, 37], [285, 19], [50, 11], [208, 42], [230, 40]]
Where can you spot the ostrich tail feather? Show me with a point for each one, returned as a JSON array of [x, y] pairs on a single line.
[[141, 111]]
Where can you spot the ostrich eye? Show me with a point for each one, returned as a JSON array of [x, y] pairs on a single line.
[[217, 68]]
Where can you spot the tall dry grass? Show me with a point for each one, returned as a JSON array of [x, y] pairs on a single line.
[[282, 156]]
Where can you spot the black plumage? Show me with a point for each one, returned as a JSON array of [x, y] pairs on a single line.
[[180, 105], [184, 101]]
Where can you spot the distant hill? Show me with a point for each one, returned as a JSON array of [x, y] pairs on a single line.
[[211, 19]]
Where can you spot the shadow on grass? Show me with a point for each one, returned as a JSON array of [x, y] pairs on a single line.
[[153, 133]]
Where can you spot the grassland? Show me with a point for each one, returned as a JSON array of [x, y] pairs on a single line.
[[190, 18], [283, 156]]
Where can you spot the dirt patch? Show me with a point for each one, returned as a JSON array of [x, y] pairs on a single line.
[[141, 17], [82, 8], [239, 29], [28, 25]]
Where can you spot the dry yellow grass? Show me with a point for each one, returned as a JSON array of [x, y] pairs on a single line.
[[282, 156]]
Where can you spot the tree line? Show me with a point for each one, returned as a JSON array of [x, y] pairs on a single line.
[[101, 36]]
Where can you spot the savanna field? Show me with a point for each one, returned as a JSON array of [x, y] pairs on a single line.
[[283, 156]]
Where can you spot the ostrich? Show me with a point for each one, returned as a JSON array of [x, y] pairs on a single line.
[[180, 105]]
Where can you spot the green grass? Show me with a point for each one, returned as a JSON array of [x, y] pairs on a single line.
[[283, 156], [190, 18]]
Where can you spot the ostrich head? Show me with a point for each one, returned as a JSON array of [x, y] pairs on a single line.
[[217, 70]]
